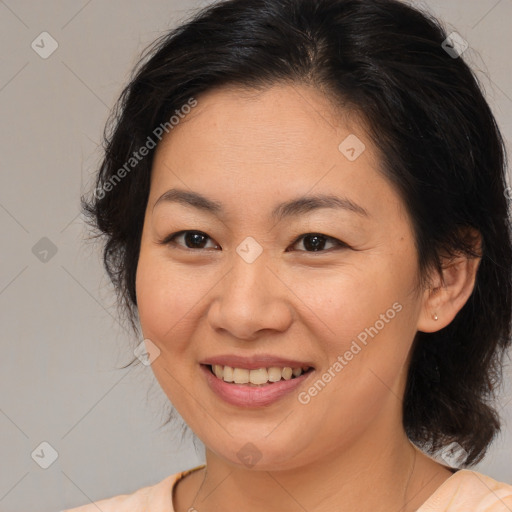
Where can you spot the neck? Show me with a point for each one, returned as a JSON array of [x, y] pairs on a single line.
[[399, 476]]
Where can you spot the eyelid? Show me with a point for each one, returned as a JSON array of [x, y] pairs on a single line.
[[338, 243], [170, 238]]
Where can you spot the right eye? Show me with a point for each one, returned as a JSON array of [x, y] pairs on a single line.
[[190, 239]]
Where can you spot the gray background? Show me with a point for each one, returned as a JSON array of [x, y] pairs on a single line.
[[61, 340]]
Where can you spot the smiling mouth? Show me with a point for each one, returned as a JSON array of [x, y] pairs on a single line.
[[258, 377]]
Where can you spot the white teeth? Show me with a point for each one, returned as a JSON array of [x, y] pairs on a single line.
[[256, 377], [287, 373], [240, 375], [217, 369], [274, 374], [259, 376], [228, 374]]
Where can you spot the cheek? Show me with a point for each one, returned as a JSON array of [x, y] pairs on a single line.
[[167, 298], [346, 301], [363, 314]]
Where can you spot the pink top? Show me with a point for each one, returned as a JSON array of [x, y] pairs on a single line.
[[464, 491]]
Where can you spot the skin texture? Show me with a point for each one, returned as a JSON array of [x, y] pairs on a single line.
[[250, 151]]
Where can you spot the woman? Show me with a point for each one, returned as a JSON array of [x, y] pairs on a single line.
[[304, 206]]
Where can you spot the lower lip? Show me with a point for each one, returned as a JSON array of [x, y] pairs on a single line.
[[244, 395]]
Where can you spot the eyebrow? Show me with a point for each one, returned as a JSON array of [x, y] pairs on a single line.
[[294, 207]]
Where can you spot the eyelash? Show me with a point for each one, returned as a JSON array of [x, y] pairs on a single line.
[[170, 239]]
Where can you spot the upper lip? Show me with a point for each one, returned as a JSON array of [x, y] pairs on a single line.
[[254, 362]]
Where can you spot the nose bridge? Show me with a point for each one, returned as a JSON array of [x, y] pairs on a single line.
[[250, 250], [249, 271], [250, 298]]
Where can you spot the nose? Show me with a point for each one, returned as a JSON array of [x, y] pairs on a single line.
[[251, 300]]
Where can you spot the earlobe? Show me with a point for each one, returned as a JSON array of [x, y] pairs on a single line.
[[442, 302], [428, 320]]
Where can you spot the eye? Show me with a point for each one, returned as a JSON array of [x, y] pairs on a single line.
[[191, 239], [315, 242]]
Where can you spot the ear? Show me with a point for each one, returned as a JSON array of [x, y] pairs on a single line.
[[449, 292]]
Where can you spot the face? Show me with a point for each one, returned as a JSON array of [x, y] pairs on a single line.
[[298, 254]]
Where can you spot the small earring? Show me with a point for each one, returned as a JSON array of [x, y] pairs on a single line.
[[435, 316]]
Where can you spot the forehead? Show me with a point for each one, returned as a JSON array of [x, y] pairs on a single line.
[[271, 144], [284, 126]]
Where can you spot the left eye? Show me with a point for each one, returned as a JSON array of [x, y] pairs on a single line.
[[313, 242]]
